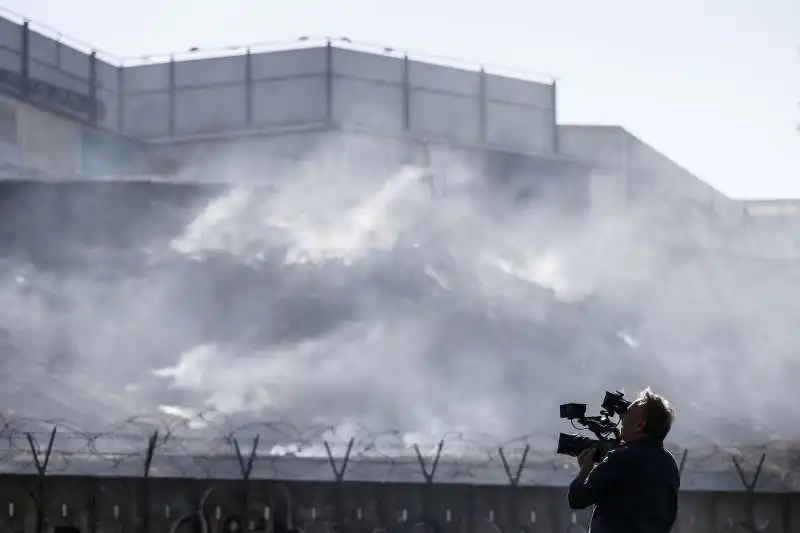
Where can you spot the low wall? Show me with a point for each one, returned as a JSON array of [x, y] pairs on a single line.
[[121, 505]]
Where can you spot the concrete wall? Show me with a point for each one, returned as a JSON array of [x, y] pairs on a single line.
[[40, 142], [119, 505], [49, 143], [630, 172], [45, 87], [264, 91], [9, 134], [653, 176], [104, 153], [778, 209], [604, 148], [56, 75], [356, 153], [227, 94], [393, 95], [383, 94], [196, 100]]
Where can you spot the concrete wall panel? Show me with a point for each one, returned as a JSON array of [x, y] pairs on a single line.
[[9, 158], [694, 512], [291, 101], [215, 108], [9, 132], [268, 159], [455, 165], [534, 180], [375, 154], [793, 503], [369, 104], [520, 92], [354, 64], [58, 77], [297, 145], [289, 63], [107, 76], [10, 35], [600, 146], [520, 128], [212, 71], [317, 507], [445, 115], [663, 177], [106, 154], [729, 511], [14, 504], [10, 60], [74, 62], [43, 48], [650, 175], [49, 143], [110, 101], [143, 78], [536, 509], [439, 78], [68, 507], [146, 115]]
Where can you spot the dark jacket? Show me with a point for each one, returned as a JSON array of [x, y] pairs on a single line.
[[634, 490]]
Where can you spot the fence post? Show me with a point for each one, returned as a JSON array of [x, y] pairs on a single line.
[[247, 469], [749, 489], [94, 115], [513, 480], [554, 103], [145, 490], [41, 471], [682, 464], [483, 105], [428, 475], [171, 97], [329, 75], [25, 59], [406, 94], [338, 474], [248, 87]]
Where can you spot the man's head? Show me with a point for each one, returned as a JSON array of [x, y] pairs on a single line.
[[650, 415]]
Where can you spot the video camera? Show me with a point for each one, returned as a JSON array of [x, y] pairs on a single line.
[[606, 430]]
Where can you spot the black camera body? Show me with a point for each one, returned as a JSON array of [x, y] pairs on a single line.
[[603, 426]]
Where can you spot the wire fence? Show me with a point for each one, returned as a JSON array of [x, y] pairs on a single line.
[[207, 449], [210, 445]]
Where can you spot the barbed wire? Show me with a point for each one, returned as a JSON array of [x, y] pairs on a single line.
[[303, 41], [212, 445]]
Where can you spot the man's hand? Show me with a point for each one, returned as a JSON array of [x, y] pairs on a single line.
[[586, 460]]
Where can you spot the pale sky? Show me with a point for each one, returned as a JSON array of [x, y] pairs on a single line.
[[713, 84]]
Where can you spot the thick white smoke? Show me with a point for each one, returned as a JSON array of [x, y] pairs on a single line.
[[362, 299]]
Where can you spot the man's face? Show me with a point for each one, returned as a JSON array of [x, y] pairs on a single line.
[[632, 422]]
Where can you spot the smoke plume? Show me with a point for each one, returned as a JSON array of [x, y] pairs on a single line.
[[363, 299]]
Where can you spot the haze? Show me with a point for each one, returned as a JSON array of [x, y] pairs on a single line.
[[358, 299]]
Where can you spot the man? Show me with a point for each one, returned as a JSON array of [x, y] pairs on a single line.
[[635, 488]]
